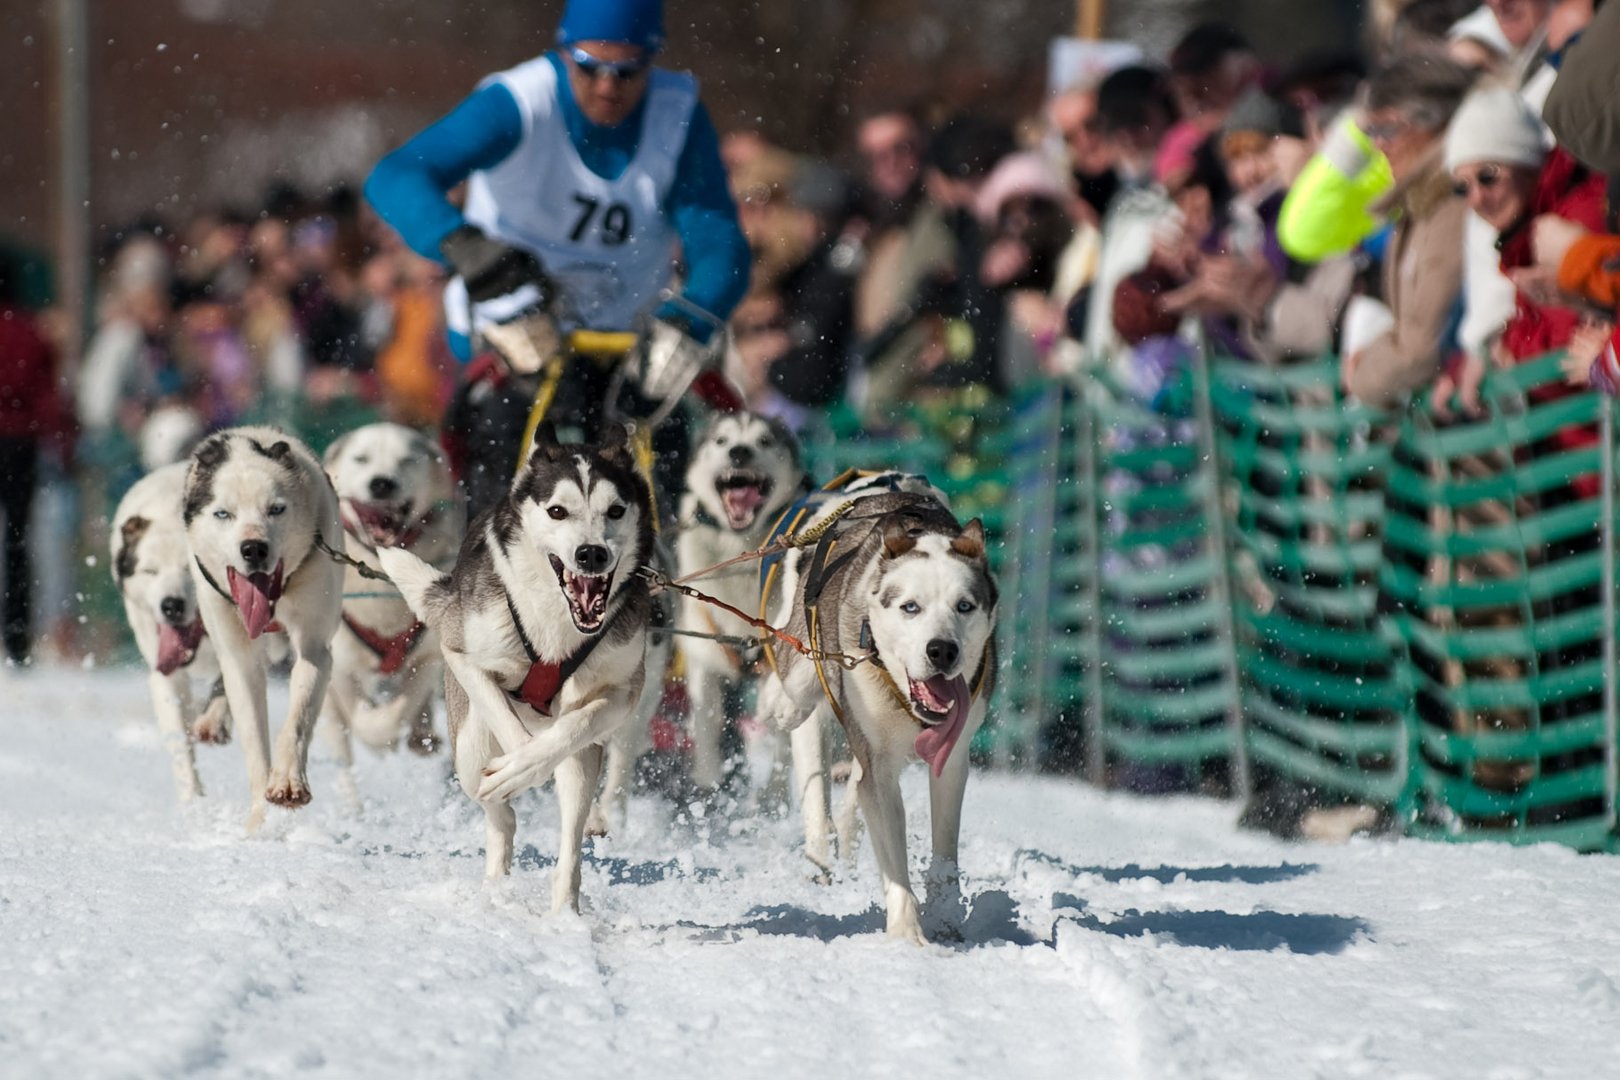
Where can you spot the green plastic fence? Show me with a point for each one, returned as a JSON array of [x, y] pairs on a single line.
[[1503, 574], [1164, 694], [1325, 693]]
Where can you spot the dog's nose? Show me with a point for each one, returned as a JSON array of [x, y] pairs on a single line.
[[383, 487], [742, 456], [255, 552], [942, 654], [592, 558], [173, 608]]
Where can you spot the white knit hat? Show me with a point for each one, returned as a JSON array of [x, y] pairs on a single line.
[[1495, 124]]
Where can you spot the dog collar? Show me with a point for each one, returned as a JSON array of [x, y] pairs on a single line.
[[391, 652], [545, 678]]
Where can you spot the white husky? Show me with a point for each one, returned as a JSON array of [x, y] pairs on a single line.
[[152, 565], [256, 503], [745, 469], [394, 490], [543, 625], [897, 580]]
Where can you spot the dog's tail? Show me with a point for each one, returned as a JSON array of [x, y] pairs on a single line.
[[426, 590]]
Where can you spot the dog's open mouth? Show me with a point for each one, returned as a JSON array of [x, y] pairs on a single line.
[[255, 596], [942, 705], [384, 524], [742, 493], [177, 645], [587, 595]]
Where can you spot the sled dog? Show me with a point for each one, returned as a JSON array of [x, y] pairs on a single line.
[[151, 564], [256, 502], [543, 626], [896, 579], [394, 490], [745, 470]]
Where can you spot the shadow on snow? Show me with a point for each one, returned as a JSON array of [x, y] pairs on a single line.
[[1260, 931]]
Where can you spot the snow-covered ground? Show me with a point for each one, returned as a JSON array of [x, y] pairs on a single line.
[[1109, 937]]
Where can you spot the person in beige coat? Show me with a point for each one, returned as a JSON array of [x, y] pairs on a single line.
[[1409, 104]]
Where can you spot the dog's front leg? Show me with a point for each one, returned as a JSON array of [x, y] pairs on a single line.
[[707, 689], [339, 738], [487, 700], [809, 741], [171, 701], [214, 725], [312, 670], [576, 785], [571, 732], [942, 890], [241, 668], [885, 810]]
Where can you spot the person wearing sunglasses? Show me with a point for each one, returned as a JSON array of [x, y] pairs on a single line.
[[586, 168], [1502, 168]]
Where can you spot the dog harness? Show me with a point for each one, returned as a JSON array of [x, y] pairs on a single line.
[[545, 678], [823, 565], [391, 652]]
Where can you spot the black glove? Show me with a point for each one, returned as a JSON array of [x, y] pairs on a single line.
[[491, 267]]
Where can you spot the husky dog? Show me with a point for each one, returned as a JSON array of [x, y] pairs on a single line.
[[256, 504], [394, 490], [894, 578], [745, 470], [543, 625], [152, 565]]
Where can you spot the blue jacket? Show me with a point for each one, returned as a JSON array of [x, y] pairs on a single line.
[[408, 187]]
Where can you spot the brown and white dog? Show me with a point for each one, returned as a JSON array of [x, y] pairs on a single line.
[[897, 580], [256, 507], [151, 563], [394, 490]]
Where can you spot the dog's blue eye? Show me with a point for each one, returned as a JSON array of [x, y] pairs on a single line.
[[277, 509], [966, 607], [557, 512], [222, 515], [616, 511], [911, 607]]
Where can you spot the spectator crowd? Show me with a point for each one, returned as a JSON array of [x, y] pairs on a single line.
[[1436, 205]]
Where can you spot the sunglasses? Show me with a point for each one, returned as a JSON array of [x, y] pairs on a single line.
[[620, 70], [1487, 178]]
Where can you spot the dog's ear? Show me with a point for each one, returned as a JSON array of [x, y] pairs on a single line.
[[785, 436], [213, 452], [900, 536], [616, 445], [335, 451], [969, 543], [128, 533]]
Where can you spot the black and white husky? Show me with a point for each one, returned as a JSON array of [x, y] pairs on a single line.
[[895, 578], [256, 503], [394, 490], [543, 625], [745, 470], [151, 563]]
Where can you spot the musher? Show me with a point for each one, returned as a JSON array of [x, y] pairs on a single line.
[[585, 168]]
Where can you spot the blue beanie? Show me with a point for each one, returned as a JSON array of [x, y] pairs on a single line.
[[634, 22]]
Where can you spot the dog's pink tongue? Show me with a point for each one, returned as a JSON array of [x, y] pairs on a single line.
[[934, 744], [256, 596], [177, 646], [742, 503]]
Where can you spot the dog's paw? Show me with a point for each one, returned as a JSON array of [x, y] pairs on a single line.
[[289, 790], [212, 727], [508, 775], [423, 742], [597, 823]]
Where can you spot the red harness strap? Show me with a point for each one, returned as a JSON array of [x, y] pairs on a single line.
[[391, 651], [546, 677]]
